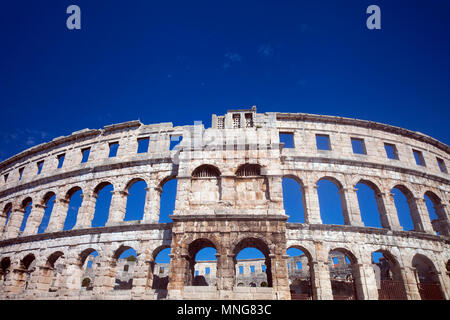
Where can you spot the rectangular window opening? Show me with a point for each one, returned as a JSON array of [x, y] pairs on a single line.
[[323, 142], [241, 270], [40, 164], [391, 151], [20, 173], [85, 154], [418, 156], [248, 120], [252, 269], [441, 164], [175, 140], [143, 145], [358, 146], [287, 138], [61, 160], [299, 265], [236, 120], [207, 270], [6, 177], [113, 147]]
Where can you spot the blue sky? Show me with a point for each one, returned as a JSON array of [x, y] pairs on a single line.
[[182, 61]]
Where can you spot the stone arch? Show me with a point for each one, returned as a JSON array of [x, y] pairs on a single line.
[[103, 199], [26, 206], [25, 271], [331, 188], [344, 274], [206, 171], [72, 202], [136, 194], [167, 200], [193, 247], [381, 219], [47, 204], [414, 216], [441, 223], [5, 270], [52, 273], [205, 188], [301, 281], [123, 273], [250, 169], [427, 277], [5, 216], [159, 272], [258, 243], [294, 192], [390, 281]]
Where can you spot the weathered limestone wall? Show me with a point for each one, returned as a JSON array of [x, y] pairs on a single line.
[[236, 203]]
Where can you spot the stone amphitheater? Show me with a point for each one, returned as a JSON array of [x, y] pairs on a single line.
[[229, 197]]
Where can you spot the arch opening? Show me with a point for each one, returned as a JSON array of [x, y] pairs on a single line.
[[293, 200], [137, 194], [300, 274]]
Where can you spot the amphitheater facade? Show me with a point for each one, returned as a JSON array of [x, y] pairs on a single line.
[[229, 197]]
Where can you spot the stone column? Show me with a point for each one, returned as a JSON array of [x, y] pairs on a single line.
[[384, 216], [391, 217], [105, 275], [311, 205], [142, 275], [34, 219], [15, 220], [117, 208], [225, 271], [86, 211], [365, 281], [442, 223], [179, 269], [350, 207], [320, 280], [422, 216], [410, 282], [58, 216], [280, 281], [152, 204], [71, 277], [14, 281]]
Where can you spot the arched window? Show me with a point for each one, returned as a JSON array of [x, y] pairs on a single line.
[[74, 197], [27, 205], [293, 200], [343, 271], [370, 203], [388, 276], [168, 197], [48, 202], [205, 267], [161, 268], [206, 171], [330, 201], [137, 192], [300, 284], [125, 264], [427, 278], [248, 170], [405, 204], [103, 192]]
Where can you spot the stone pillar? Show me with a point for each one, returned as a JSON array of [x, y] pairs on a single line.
[[117, 208], [58, 216], [311, 205], [71, 277], [320, 280], [422, 216], [391, 217], [280, 280], [410, 282], [179, 269], [225, 271], [105, 275], [14, 281], [350, 207], [142, 275], [34, 219], [15, 220], [40, 280], [86, 211], [152, 204], [442, 223], [384, 216], [365, 281]]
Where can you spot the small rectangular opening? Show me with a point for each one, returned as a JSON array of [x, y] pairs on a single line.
[[236, 120], [441, 164], [299, 265], [40, 164], [207, 270], [263, 268], [6, 177], [175, 140], [143, 145], [252, 269], [113, 147], [418, 156], [358, 146], [61, 160], [391, 151], [323, 142], [287, 138], [85, 154], [20, 173], [241, 270], [248, 120]]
